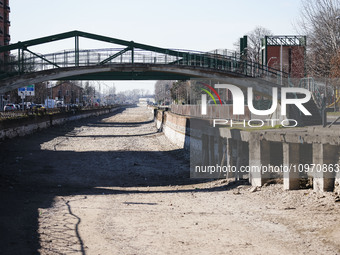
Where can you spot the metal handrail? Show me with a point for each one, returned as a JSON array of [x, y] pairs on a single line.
[[29, 62]]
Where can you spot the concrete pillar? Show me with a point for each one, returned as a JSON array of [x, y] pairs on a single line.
[[229, 156], [239, 159], [324, 155], [265, 159], [211, 140], [259, 155], [220, 151], [226, 157], [230, 152], [205, 150], [337, 175], [291, 158]]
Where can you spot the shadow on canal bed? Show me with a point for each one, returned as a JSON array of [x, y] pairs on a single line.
[[31, 178]]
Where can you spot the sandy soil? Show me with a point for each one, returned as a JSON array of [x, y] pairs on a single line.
[[114, 185]]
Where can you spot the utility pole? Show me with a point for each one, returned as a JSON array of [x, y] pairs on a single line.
[[100, 94], [281, 63]]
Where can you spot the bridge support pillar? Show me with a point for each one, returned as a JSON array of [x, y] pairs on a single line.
[[231, 156], [239, 159], [205, 150], [211, 142], [259, 155], [291, 158], [324, 157]]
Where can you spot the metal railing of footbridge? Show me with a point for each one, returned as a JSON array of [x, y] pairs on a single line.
[[33, 62], [26, 61]]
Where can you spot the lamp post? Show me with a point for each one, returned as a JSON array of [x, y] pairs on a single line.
[[270, 59], [281, 62], [269, 62]]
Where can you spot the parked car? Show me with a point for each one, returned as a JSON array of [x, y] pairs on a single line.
[[40, 106], [9, 107], [59, 104], [36, 106], [73, 106]]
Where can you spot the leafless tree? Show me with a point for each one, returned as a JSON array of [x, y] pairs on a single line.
[[255, 43], [162, 91], [255, 37], [320, 21], [180, 92]]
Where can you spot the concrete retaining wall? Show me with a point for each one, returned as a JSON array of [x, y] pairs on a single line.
[[274, 147], [28, 126], [174, 127]]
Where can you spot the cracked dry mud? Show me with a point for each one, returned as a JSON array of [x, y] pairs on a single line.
[[114, 185]]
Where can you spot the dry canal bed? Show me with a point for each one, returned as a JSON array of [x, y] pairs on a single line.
[[114, 185]]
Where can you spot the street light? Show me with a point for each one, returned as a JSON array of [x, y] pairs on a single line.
[[269, 61]]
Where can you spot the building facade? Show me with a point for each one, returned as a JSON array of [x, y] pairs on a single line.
[[68, 92], [285, 53], [4, 30]]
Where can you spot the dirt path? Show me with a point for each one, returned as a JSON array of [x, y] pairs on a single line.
[[114, 185]]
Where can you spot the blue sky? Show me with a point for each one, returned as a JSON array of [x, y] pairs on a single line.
[[187, 24]]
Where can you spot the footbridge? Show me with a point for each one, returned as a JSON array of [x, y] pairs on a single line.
[[128, 60]]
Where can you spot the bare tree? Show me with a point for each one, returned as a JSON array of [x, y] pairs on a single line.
[[89, 89], [320, 21], [255, 43], [112, 90], [255, 37], [162, 91], [180, 92]]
